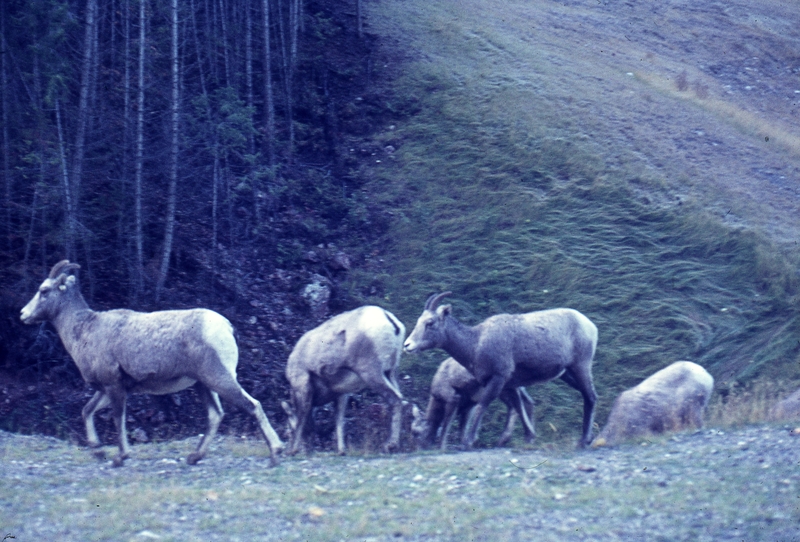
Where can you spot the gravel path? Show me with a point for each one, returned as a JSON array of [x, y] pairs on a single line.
[[730, 484]]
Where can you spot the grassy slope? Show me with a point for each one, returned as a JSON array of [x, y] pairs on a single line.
[[515, 186]]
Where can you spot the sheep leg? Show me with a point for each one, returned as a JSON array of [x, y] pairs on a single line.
[[98, 401], [396, 405], [215, 414], [464, 409], [489, 393], [341, 406], [580, 378], [512, 401], [450, 409], [230, 390], [386, 385], [526, 414], [302, 404], [430, 420], [118, 399]]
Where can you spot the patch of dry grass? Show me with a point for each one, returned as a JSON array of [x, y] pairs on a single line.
[[744, 404]]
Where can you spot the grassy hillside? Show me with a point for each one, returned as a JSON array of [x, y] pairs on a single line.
[[515, 183]]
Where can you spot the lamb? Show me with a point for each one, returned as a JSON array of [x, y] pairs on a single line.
[[356, 350], [455, 391], [122, 352], [513, 350], [672, 399]]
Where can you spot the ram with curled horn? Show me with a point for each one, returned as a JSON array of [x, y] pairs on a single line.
[[122, 352], [507, 351]]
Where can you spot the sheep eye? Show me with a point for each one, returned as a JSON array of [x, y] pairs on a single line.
[[429, 324]]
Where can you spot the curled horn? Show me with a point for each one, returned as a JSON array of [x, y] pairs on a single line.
[[62, 267], [434, 300]]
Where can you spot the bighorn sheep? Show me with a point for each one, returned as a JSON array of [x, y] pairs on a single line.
[[508, 351], [121, 352], [672, 399], [787, 409], [455, 391], [353, 351]]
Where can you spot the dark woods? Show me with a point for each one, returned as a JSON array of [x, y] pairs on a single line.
[[185, 153]]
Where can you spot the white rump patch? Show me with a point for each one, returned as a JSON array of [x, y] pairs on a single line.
[[218, 333]]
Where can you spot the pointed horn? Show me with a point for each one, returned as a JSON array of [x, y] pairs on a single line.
[[62, 267], [434, 300]]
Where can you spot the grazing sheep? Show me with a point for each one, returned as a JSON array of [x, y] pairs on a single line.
[[348, 353], [672, 399], [121, 352], [787, 409], [513, 350], [455, 391]]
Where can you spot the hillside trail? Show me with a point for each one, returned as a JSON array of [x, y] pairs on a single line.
[[702, 95]]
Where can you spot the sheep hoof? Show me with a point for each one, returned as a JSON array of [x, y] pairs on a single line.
[[193, 458], [390, 447], [99, 454], [273, 461], [118, 461]]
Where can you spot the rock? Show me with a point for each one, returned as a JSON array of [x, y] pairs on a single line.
[[340, 261], [139, 435], [317, 294]]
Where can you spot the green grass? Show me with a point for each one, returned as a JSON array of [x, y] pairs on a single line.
[[500, 197]]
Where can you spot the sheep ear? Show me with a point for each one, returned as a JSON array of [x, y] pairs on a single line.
[[444, 310]]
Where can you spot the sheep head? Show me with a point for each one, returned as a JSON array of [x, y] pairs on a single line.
[[429, 331], [49, 298]]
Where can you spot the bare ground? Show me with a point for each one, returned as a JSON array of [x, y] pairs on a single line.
[[731, 484]]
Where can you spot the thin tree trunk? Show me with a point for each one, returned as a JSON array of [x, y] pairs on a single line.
[[83, 103], [6, 146], [34, 210], [248, 69], [211, 38], [169, 232], [287, 76], [225, 57], [251, 143], [359, 18], [139, 164], [123, 241], [214, 144], [269, 102], [66, 187], [36, 102]]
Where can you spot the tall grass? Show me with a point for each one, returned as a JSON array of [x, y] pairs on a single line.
[[498, 197], [745, 404]]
